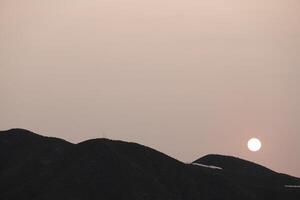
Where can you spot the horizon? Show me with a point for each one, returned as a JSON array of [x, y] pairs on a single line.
[[186, 162]]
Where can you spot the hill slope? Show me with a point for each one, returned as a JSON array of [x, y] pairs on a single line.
[[37, 167]]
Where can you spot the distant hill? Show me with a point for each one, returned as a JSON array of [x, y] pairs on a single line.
[[42, 168]]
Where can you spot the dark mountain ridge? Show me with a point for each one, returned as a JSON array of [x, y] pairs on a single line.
[[244, 168], [37, 167]]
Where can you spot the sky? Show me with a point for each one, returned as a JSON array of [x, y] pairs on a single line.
[[187, 78]]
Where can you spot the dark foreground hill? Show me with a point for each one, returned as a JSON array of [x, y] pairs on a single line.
[[34, 167]]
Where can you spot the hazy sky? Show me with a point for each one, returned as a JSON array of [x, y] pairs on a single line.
[[186, 77]]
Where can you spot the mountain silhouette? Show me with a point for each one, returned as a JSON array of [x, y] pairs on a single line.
[[42, 168]]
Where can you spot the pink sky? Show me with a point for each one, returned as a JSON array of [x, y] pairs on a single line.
[[188, 78]]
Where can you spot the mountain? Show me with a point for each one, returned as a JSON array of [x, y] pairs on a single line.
[[42, 168], [262, 181]]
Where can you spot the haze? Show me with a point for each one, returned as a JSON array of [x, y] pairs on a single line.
[[188, 78]]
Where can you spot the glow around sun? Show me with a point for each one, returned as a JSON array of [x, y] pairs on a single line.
[[254, 144]]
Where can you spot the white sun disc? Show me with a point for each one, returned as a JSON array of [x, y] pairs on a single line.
[[254, 144]]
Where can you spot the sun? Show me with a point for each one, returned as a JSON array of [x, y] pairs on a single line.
[[254, 144]]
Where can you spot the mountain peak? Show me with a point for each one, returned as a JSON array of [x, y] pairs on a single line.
[[18, 133], [232, 163], [18, 130], [22, 136]]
